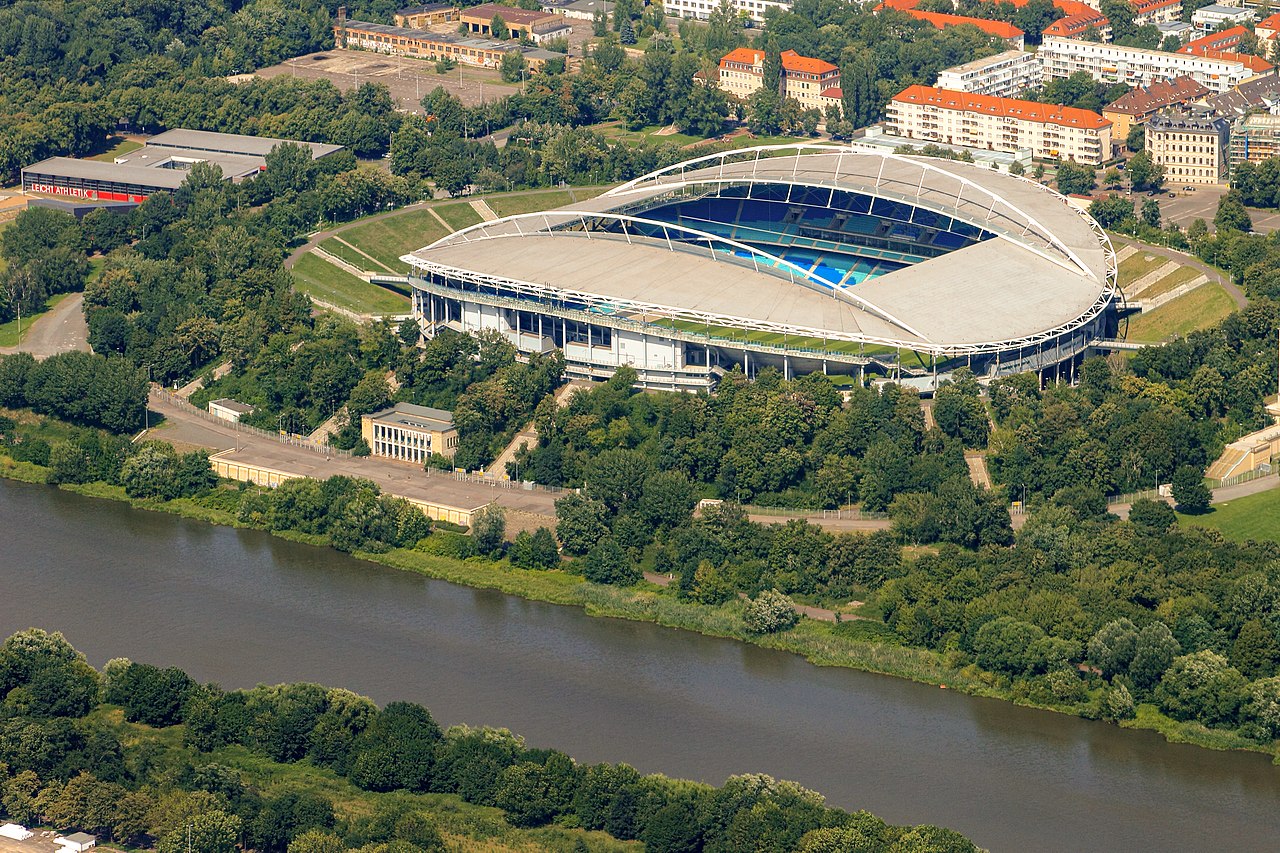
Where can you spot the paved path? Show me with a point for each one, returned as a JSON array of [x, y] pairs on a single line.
[[1187, 261], [1222, 495], [62, 329], [394, 478]]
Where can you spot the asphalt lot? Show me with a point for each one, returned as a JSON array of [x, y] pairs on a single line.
[[1202, 203]]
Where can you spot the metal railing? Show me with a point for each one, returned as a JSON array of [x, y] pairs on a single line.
[[498, 482], [290, 440]]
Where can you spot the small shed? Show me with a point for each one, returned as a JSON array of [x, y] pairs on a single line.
[[229, 410], [15, 832], [77, 842]]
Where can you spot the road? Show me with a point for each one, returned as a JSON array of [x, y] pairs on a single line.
[[1214, 275], [60, 330]]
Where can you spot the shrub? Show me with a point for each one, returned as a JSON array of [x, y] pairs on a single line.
[[770, 612]]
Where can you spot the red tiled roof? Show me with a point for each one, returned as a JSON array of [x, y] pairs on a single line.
[[1271, 22], [1074, 25], [1255, 64], [792, 61], [1215, 41], [1143, 6], [744, 55], [834, 92], [941, 21], [1157, 96], [1007, 107]]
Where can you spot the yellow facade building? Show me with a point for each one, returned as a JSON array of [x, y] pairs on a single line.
[[409, 433]]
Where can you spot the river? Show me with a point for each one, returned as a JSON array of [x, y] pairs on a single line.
[[242, 607]]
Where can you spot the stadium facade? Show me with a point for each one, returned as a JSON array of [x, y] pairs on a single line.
[[805, 258]]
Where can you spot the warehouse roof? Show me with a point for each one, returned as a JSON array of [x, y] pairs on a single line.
[[96, 170], [231, 143]]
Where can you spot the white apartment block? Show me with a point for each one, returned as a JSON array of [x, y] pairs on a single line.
[[1192, 149], [937, 115], [1208, 19], [702, 9], [1135, 66], [1005, 75]]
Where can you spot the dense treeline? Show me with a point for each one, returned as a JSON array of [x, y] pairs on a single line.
[[89, 390], [66, 761]]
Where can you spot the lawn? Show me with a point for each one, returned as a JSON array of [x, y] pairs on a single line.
[[322, 280], [1174, 280], [390, 237], [1253, 517], [1137, 265], [9, 330], [122, 146], [458, 215], [1201, 308], [509, 205], [648, 135]]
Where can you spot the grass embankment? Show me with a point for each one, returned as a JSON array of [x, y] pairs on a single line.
[[1203, 307], [462, 825], [1252, 517], [857, 645], [1171, 282], [318, 278], [1137, 265], [392, 236], [458, 215]]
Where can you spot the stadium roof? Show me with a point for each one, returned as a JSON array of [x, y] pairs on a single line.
[[1050, 267]]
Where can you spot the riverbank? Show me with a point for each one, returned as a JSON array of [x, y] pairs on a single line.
[[824, 644]]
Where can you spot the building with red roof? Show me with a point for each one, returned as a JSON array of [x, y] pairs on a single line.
[[1255, 64], [1156, 11], [1008, 32], [999, 124], [803, 78], [1081, 25], [1224, 40]]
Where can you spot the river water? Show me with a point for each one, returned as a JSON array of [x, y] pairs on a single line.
[[243, 607]]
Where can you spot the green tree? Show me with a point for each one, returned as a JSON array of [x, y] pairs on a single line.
[[607, 562], [580, 523], [1202, 686], [1145, 173], [1112, 648], [1151, 213], [513, 66], [498, 28], [1189, 490], [1255, 650], [489, 529], [1152, 516], [1231, 215], [1074, 179], [1154, 651]]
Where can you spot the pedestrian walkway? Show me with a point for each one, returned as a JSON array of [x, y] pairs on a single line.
[[486, 212]]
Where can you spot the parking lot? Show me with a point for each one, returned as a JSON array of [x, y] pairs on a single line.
[[408, 79], [42, 843], [1188, 205]]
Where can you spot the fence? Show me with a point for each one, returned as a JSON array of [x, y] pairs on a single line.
[[825, 514], [1152, 494], [291, 440], [497, 483]]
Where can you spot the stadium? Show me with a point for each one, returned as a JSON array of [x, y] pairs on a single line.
[[805, 258]]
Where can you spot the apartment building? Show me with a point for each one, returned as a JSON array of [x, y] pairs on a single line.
[[1138, 105], [1080, 25], [1156, 11], [930, 114], [1209, 18], [701, 9], [1228, 39], [1135, 66], [1192, 148], [1005, 75], [1254, 138], [811, 82]]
